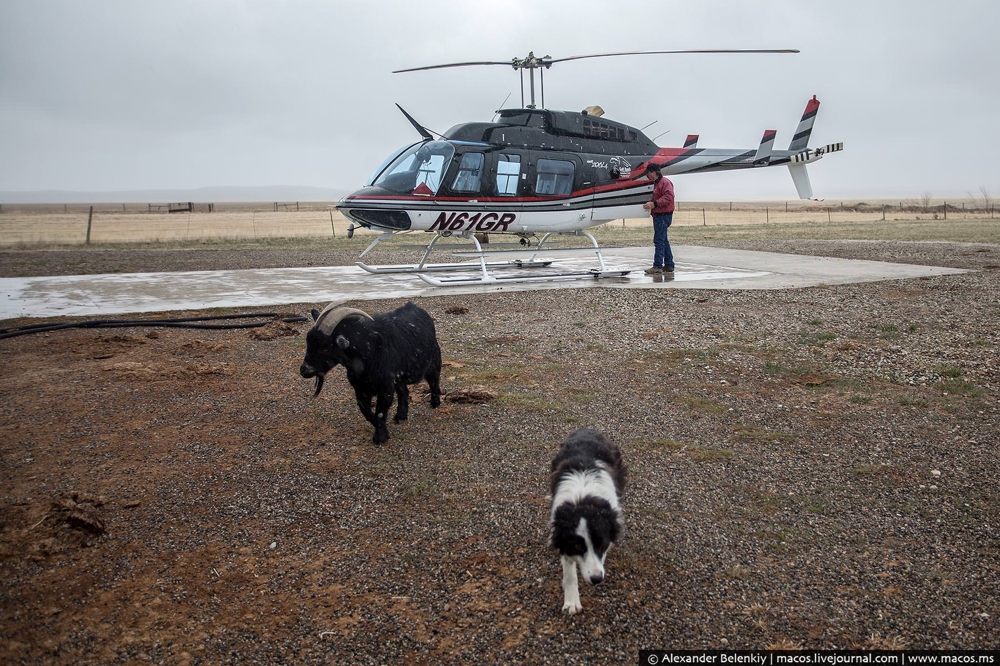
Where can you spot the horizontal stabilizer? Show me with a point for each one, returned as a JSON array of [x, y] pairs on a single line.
[[763, 155], [801, 179]]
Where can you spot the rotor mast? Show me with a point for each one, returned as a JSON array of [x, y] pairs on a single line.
[[531, 63]]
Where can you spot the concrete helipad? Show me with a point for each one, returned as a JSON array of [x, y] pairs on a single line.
[[697, 268]]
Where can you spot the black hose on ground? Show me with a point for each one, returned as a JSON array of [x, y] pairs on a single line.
[[180, 322]]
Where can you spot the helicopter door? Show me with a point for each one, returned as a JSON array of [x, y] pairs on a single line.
[[468, 179], [507, 172], [483, 190], [558, 176]]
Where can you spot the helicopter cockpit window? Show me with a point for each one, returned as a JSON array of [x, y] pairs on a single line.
[[470, 173], [508, 174], [419, 169], [554, 177]]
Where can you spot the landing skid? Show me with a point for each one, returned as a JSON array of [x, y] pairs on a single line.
[[484, 268], [463, 266], [592, 273]]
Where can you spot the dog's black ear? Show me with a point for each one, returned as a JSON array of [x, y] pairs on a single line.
[[563, 525], [555, 527], [621, 477], [617, 525]]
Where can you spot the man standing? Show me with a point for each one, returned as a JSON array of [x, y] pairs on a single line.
[[662, 210]]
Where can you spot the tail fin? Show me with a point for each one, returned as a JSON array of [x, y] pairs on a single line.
[[801, 179], [801, 139], [691, 141], [763, 155]]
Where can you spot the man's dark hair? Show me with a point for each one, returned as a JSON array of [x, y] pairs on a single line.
[[655, 168]]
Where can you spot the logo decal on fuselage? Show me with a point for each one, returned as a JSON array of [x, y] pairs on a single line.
[[623, 166], [497, 222]]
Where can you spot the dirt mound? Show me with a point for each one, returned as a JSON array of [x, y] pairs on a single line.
[[66, 524]]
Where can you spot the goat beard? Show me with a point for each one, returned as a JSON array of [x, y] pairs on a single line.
[[319, 385]]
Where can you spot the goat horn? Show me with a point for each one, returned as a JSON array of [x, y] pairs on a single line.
[[333, 314]]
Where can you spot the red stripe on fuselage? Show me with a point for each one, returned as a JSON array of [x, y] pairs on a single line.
[[617, 185], [663, 157]]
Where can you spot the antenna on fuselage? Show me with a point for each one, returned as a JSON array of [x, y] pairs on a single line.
[[504, 102]]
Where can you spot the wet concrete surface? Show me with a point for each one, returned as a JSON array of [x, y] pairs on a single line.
[[697, 268]]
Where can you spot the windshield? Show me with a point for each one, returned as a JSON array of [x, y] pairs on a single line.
[[419, 169], [386, 162]]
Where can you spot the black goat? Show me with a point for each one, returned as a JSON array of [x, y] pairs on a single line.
[[382, 354]]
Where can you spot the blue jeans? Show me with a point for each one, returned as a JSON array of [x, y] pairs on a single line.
[[662, 256]]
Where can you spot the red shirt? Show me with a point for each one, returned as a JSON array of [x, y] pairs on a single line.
[[663, 196]]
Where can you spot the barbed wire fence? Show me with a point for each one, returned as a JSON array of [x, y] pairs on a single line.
[[95, 224]]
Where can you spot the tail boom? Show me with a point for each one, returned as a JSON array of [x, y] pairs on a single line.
[[691, 159]]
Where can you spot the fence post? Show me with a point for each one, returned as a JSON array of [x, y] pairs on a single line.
[[90, 219], [296, 206], [883, 212], [946, 210], [703, 220], [767, 215], [828, 218], [332, 228]]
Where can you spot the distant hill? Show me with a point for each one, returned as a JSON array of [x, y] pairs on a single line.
[[197, 195]]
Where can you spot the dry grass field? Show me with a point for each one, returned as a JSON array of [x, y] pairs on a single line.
[[34, 225]]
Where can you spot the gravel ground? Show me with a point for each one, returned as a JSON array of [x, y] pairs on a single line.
[[812, 468]]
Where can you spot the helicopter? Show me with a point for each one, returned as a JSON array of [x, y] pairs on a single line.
[[538, 171]]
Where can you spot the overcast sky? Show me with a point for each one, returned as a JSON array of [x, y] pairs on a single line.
[[110, 95]]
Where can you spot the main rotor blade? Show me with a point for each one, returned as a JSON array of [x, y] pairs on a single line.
[[454, 64], [630, 53], [532, 62]]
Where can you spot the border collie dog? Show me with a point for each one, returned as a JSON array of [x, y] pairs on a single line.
[[588, 478]]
